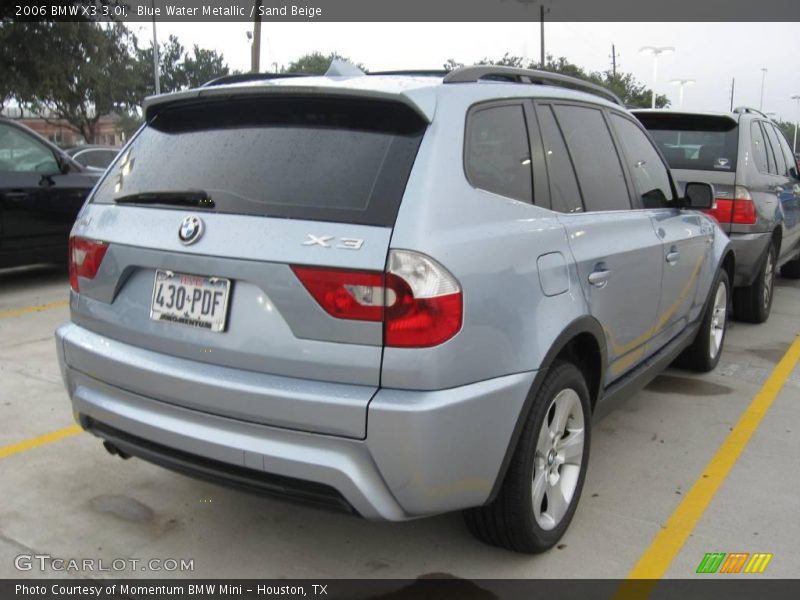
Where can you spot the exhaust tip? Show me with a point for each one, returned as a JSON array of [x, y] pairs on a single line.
[[114, 451]]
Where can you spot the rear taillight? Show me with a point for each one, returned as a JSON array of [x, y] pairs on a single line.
[[417, 299], [85, 257], [741, 210]]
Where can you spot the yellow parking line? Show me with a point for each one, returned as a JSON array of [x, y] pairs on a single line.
[[47, 438], [17, 312], [654, 563]]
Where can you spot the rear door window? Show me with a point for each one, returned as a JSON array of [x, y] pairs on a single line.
[[595, 157], [565, 196], [759, 144], [698, 142], [326, 159], [497, 152], [650, 176], [772, 138]]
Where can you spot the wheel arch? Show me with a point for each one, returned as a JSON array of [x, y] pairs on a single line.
[[582, 342]]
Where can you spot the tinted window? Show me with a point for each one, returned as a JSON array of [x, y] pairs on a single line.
[[701, 142], [22, 153], [790, 159], [497, 154], [318, 159], [650, 176], [564, 193], [772, 138], [759, 147], [595, 158]]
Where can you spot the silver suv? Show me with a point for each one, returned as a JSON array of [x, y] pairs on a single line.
[[756, 178], [396, 294]]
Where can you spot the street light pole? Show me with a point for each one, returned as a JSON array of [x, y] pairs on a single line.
[[796, 118], [655, 52], [763, 77], [681, 83]]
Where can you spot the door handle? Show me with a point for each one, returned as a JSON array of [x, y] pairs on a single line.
[[600, 276], [673, 255]]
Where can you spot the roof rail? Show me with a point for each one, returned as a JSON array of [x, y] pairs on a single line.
[[240, 77], [413, 72], [515, 75], [747, 109]]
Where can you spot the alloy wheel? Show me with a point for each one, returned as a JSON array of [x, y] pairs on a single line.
[[558, 459]]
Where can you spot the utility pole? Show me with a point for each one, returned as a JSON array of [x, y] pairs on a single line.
[[256, 55], [613, 61], [541, 20], [763, 77], [733, 83], [156, 58]]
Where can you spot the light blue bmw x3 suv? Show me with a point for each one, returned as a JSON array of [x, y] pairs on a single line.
[[398, 294]]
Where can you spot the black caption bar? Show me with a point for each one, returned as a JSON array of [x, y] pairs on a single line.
[[431, 587], [405, 10]]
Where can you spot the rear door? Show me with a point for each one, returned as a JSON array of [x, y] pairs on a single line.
[[617, 253], [262, 200], [785, 187], [685, 235]]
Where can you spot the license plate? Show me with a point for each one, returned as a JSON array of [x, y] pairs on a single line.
[[190, 300]]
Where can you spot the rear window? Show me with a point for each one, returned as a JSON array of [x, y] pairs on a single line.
[[317, 159], [699, 142]]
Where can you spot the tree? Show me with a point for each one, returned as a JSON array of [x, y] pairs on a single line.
[[317, 63], [74, 71], [203, 65]]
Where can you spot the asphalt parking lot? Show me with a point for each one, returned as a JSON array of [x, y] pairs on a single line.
[[63, 495]]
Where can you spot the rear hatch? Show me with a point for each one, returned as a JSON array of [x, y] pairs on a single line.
[[699, 147], [208, 222]]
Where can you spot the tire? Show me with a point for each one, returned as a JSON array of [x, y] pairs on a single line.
[[542, 468], [703, 355], [754, 302], [791, 270]]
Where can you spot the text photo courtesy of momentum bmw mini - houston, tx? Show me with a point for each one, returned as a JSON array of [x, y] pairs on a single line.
[[366, 299]]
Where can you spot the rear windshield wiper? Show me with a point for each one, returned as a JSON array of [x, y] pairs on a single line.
[[196, 198]]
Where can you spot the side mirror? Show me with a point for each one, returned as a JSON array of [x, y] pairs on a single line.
[[699, 195]]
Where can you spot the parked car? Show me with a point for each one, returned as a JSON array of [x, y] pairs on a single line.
[[755, 175], [93, 157], [41, 191], [399, 295]]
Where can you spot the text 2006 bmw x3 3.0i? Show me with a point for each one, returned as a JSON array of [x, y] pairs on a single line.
[[397, 294]]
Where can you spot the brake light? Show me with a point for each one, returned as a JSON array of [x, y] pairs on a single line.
[[85, 257], [417, 299], [741, 210]]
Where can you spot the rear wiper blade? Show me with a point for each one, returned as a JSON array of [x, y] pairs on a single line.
[[196, 198]]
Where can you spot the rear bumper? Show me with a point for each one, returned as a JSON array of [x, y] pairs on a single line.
[[425, 452], [749, 249]]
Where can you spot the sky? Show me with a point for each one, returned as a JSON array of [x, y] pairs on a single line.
[[710, 53]]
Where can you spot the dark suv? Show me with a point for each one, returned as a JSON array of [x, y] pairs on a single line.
[[755, 175]]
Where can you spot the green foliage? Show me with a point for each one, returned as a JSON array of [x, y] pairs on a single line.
[[317, 63], [179, 69], [79, 71], [625, 85], [75, 71]]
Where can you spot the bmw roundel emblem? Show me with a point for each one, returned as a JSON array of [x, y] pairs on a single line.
[[190, 230]]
